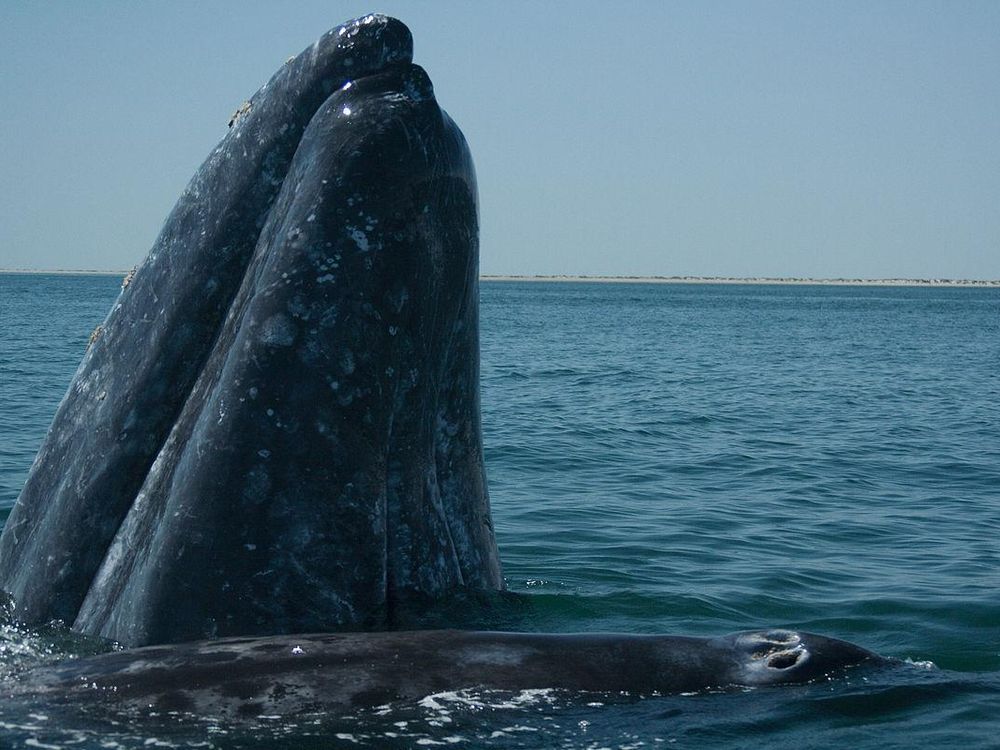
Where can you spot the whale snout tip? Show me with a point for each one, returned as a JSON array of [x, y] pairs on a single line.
[[390, 34]]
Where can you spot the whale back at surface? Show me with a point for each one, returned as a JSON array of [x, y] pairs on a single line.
[[329, 673]]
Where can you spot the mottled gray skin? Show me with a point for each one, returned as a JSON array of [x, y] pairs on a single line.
[[277, 428], [317, 673]]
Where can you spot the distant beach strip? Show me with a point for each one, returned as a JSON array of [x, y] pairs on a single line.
[[634, 279], [747, 280]]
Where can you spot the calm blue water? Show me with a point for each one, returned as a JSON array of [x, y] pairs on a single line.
[[672, 458]]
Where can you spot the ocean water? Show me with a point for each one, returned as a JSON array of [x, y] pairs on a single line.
[[687, 459]]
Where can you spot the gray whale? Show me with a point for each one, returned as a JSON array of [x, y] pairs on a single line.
[[287, 675], [277, 427], [277, 430]]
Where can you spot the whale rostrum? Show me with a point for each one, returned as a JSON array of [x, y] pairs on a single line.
[[277, 427]]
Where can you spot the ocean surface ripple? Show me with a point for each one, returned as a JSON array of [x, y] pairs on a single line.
[[673, 458]]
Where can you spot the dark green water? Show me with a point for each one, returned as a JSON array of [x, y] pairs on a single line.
[[669, 458]]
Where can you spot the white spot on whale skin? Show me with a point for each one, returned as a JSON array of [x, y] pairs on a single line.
[[347, 362], [325, 278], [296, 240], [347, 110], [258, 485], [360, 240], [278, 330]]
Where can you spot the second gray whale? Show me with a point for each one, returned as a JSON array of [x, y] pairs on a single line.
[[241, 678]]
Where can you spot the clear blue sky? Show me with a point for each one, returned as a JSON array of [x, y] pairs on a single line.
[[822, 139]]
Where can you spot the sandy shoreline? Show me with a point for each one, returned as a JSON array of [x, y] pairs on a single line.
[[630, 279], [747, 280]]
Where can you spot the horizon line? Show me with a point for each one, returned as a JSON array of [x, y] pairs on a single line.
[[622, 278]]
